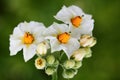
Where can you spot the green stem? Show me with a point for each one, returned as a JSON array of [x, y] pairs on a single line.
[[54, 76], [61, 54]]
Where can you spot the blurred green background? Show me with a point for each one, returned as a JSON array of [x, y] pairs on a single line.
[[103, 65]]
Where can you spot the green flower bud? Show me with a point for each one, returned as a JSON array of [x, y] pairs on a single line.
[[89, 52], [49, 70], [69, 73], [56, 63], [40, 63], [78, 64], [50, 59], [75, 71], [68, 64]]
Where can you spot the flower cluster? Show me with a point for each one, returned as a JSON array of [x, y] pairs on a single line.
[[73, 37]]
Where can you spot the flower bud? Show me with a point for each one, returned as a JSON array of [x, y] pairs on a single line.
[[56, 63], [50, 59], [68, 64], [69, 73], [40, 63], [49, 70], [79, 54], [89, 53], [78, 64], [41, 49], [75, 71], [87, 41], [93, 43]]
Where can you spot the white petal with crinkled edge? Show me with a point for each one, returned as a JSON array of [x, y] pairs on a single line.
[[75, 33], [55, 45], [32, 27], [50, 31], [38, 33], [87, 27], [56, 29], [17, 33], [70, 47], [64, 15], [15, 46], [76, 11], [39, 27], [24, 27], [29, 52], [60, 29]]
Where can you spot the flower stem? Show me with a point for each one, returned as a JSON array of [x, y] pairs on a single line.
[[54, 76], [61, 54]]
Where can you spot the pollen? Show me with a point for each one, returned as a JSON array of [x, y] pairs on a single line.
[[28, 38], [76, 21], [39, 62], [63, 38]]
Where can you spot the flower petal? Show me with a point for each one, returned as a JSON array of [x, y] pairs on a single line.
[[87, 17], [30, 27], [75, 33], [24, 27], [64, 15], [71, 46], [29, 52], [55, 45], [60, 28], [17, 32], [87, 27], [36, 27], [50, 31], [76, 11], [56, 29], [15, 46]]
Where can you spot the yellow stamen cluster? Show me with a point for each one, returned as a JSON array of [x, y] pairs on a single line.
[[40, 63], [63, 38], [76, 21], [28, 38]]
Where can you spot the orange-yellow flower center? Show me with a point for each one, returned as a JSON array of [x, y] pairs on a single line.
[[39, 62], [63, 38], [28, 38], [76, 21]]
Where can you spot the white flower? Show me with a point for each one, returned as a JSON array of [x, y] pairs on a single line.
[[40, 63], [26, 36], [77, 20], [61, 39]]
